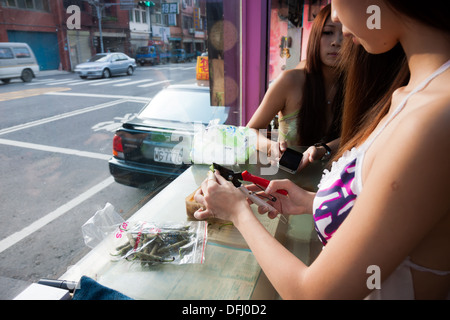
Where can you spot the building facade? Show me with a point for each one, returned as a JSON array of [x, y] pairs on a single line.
[[64, 33]]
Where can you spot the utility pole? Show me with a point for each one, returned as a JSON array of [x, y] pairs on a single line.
[[99, 6], [99, 17]]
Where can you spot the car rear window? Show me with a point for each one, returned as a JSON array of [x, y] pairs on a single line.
[[183, 106]]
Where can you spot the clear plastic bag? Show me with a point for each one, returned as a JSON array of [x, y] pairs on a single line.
[[161, 243], [149, 243], [223, 144], [103, 223]]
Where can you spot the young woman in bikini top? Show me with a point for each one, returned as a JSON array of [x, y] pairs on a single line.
[[384, 203]]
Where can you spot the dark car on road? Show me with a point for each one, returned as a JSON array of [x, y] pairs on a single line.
[[178, 55], [156, 144], [152, 55], [105, 65]]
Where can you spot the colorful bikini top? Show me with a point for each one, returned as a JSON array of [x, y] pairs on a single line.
[[339, 187]]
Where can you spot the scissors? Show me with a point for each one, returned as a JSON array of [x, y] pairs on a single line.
[[237, 177]]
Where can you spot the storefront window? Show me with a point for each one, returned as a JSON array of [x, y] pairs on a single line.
[[285, 36], [59, 131]]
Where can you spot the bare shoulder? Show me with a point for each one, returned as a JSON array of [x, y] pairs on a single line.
[[430, 112], [416, 141], [294, 77]]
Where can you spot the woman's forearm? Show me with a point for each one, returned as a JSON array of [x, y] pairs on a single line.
[[263, 143], [285, 275]]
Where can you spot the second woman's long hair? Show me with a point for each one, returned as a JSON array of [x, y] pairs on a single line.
[[312, 118]]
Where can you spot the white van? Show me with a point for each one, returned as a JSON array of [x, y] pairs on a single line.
[[17, 60]]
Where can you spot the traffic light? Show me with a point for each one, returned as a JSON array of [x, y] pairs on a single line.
[[146, 4]]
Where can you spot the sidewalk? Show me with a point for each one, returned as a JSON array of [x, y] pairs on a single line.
[[46, 73]]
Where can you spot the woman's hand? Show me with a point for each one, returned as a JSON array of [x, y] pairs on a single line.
[[311, 155], [276, 151], [220, 199], [298, 200], [314, 153]]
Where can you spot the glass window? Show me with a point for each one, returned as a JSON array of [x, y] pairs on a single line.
[[137, 16], [285, 36], [186, 105], [142, 50], [172, 19], [84, 117], [144, 16], [21, 4], [22, 53], [6, 53], [156, 18], [47, 7], [39, 4], [99, 57], [165, 19], [67, 3], [187, 22], [131, 15]]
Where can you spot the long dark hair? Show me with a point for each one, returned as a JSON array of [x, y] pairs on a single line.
[[312, 118], [370, 80]]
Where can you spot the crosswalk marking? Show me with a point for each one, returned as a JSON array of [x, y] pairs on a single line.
[[132, 82], [122, 82], [80, 82], [102, 82], [154, 83], [97, 81], [62, 82], [39, 81], [109, 82], [166, 68]]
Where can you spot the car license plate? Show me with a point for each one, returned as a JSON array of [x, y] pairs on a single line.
[[167, 155]]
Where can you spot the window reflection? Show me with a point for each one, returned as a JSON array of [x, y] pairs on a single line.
[[175, 31]]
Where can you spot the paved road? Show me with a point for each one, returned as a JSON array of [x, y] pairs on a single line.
[[55, 140]]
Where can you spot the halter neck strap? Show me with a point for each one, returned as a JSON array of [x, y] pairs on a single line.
[[402, 104]]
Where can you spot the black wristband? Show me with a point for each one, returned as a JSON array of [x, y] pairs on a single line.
[[327, 148]]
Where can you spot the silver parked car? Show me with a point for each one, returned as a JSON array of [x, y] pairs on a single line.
[[105, 65]]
